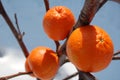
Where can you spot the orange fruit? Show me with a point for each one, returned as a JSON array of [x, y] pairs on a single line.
[[43, 62], [27, 67], [57, 22], [89, 48]]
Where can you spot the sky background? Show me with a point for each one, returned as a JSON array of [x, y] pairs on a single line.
[[30, 15]]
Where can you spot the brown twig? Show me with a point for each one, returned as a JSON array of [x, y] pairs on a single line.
[[57, 45], [71, 76], [15, 15], [14, 75], [100, 4], [117, 53], [46, 2], [88, 12], [86, 76], [14, 31], [117, 1], [21, 34], [116, 58]]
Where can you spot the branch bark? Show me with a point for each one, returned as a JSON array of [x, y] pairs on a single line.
[[46, 2], [13, 29], [14, 75], [88, 12], [116, 58], [71, 76]]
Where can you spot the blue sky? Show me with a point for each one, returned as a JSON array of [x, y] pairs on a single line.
[[30, 14]]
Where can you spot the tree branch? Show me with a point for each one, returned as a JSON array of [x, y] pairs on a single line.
[[117, 53], [71, 76], [88, 12], [46, 2], [86, 76], [117, 1], [116, 58], [57, 45], [14, 31], [14, 75]]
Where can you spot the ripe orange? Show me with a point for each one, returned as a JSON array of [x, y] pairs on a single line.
[[27, 67], [57, 22], [43, 62], [90, 48]]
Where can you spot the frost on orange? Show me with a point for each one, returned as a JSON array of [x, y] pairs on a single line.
[[57, 22], [90, 48]]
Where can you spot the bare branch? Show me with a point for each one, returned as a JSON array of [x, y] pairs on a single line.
[[117, 1], [71, 76], [101, 3], [14, 31], [88, 12], [116, 58], [86, 76], [15, 15], [38, 79], [57, 45], [117, 53], [46, 2], [14, 75], [20, 35]]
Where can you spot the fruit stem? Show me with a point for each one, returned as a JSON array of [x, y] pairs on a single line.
[[57, 45]]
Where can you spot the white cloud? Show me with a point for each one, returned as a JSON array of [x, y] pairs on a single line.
[[12, 61]]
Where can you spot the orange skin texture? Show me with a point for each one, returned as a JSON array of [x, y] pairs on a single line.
[[27, 68], [57, 22], [90, 48], [43, 62]]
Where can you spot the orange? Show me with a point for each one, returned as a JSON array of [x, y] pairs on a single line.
[[43, 62], [27, 67], [90, 48], [57, 22]]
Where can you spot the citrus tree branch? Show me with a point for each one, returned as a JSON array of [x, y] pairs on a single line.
[[14, 75], [46, 2], [86, 76], [71, 76], [116, 58], [117, 53], [13, 29], [118, 1], [88, 11]]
